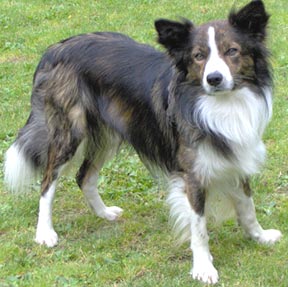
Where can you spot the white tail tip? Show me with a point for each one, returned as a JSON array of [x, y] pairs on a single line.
[[19, 173]]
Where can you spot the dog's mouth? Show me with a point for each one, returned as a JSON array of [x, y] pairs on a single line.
[[215, 91]]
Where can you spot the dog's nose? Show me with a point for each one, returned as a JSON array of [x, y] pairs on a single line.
[[214, 79]]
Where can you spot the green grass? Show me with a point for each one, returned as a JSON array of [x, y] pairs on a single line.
[[139, 249]]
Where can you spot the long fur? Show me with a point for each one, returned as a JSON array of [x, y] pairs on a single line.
[[94, 88]]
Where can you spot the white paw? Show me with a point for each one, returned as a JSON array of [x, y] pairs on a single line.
[[46, 236], [205, 272], [111, 213], [269, 236]]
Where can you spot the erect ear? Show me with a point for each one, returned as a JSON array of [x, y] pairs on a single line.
[[173, 34], [251, 19]]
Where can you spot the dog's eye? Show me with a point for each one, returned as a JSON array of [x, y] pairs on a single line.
[[199, 56], [231, 52]]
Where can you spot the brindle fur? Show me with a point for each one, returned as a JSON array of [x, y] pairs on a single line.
[[95, 86]]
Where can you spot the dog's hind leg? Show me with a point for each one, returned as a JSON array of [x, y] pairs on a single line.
[[58, 155], [87, 177], [45, 233], [246, 215]]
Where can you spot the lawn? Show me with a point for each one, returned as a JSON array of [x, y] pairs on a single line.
[[139, 249]]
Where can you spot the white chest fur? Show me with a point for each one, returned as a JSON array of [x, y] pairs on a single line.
[[240, 117]]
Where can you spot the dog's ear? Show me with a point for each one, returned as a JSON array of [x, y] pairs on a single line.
[[252, 19], [175, 37], [173, 34]]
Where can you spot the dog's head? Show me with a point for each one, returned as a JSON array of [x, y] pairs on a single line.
[[221, 55]]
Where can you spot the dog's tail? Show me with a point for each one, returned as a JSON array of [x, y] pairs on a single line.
[[27, 156]]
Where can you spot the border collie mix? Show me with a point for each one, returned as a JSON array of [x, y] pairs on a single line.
[[197, 113]]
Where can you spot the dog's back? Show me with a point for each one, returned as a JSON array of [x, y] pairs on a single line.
[[85, 88]]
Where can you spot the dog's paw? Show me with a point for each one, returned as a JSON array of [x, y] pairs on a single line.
[[205, 272], [269, 236], [111, 213], [46, 237]]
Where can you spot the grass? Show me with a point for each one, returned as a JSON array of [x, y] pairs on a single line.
[[139, 249]]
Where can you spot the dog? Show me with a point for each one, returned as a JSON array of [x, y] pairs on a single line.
[[196, 113]]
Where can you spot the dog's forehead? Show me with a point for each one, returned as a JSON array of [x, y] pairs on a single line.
[[222, 30]]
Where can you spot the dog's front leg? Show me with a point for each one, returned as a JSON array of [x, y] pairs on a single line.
[[203, 268], [246, 215]]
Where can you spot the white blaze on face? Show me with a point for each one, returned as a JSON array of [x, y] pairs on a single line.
[[217, 75]]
